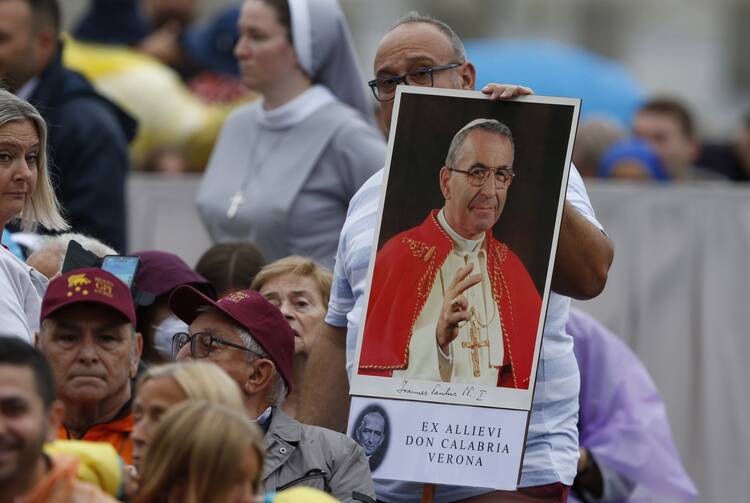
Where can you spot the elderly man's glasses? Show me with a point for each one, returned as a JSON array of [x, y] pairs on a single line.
[[201, 344], [478, 175], [384, 88]]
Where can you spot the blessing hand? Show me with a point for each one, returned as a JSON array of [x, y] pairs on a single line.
[[455, 307]]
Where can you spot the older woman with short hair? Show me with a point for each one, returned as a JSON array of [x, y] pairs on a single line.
[[26, 195], [300, 288]]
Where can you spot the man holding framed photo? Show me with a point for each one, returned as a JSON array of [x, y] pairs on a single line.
[[420, 50]]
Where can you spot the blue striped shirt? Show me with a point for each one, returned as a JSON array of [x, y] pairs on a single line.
[[552, 443]]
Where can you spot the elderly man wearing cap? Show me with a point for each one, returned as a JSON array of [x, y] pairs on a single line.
[[249, 338], [88, 337]]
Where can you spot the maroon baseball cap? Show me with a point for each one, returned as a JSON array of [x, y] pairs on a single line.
[[250, 310], [92, 285], [160, 272]]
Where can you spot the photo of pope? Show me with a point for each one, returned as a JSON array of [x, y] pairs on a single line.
[[449, 302]]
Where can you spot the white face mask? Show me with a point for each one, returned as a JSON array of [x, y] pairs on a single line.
[[164, 333]]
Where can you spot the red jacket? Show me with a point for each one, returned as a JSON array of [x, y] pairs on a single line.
[[405, 270]]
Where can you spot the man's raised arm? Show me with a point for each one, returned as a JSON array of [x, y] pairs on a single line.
[[325, 387], [584, 255]]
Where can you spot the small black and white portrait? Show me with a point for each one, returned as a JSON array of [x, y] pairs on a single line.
[[371, 432]]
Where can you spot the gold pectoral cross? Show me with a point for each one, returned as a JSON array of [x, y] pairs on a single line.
[[475, 343]]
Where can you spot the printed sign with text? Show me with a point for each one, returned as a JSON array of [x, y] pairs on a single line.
[[459, 281]]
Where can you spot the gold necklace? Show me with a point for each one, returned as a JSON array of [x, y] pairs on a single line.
[[484, 299]]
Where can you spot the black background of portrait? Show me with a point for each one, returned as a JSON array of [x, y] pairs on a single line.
[[425, 127]]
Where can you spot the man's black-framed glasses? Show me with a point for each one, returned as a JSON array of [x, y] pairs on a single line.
[[384, 88], [478, 175], [201, 344]]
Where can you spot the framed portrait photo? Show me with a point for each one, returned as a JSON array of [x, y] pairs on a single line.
[[460, 279]]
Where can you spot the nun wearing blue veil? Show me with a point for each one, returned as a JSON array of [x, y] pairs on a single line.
[[285, 166]]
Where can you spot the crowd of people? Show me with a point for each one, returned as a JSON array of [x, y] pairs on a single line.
[[228, 381], [663, 145]]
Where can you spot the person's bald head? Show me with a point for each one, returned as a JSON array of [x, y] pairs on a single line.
[[417, 41], [415, 18]]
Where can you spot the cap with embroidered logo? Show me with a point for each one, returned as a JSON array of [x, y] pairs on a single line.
[[264, 321], [91, 285]]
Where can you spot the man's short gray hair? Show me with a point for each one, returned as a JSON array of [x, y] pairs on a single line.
[[490, 125], [277, 392], [92, 244], [459, 52], [57, 246]]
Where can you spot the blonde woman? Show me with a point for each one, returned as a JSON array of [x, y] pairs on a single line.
[[202, 452], [300, 288], [165, 386], [26, 195]]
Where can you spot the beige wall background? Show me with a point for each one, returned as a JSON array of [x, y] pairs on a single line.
[[677, 294]]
